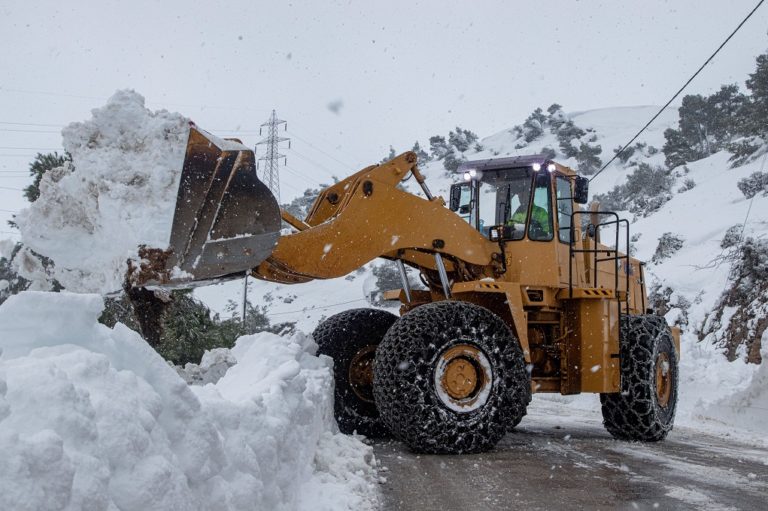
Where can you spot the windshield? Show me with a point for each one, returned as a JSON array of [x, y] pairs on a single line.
[[503, 198]]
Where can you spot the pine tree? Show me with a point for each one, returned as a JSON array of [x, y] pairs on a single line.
[[452, 160], [39, 166], [421, 155], [587, 158], [438, 147], [461, 139], [566, 134], [390, 156], [757, 109], [533, 127], [11, 283]]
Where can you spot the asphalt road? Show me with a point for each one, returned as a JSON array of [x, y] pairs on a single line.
[[554, 462]]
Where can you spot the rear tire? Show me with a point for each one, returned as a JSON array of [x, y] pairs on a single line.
[[644, 410], [450, 377], [351, 338]]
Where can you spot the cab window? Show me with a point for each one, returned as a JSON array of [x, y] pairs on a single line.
[[540, 224], [564, 208]]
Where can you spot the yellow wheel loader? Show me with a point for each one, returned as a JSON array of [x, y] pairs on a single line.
[[520, 295]]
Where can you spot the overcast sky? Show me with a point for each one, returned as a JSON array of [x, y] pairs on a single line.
[[393, 71]]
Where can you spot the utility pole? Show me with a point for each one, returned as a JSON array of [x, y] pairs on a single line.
[[270, 174]]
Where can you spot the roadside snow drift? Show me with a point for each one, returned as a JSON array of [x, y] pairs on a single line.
[[118, 193], [93, 418]]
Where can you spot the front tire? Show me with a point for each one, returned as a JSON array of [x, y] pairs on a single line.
[[644, 410], [351, 338], [450, 377]]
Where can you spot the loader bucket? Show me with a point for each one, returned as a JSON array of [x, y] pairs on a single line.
[[226, 221]]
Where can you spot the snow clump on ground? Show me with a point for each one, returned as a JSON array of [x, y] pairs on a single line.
[[93, 418]]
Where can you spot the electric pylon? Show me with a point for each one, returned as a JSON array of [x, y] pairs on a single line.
[[270, 175]]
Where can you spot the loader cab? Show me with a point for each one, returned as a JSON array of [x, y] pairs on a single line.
[[520, 198]]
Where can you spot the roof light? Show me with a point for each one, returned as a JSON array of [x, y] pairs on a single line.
[[472, 172], [467, 177], [551, 167], [536, 167]]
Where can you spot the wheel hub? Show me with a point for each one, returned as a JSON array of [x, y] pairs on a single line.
[[361, 373], [463, 378], [663, 379]]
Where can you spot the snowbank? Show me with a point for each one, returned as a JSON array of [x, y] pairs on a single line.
[[93, 418], [747, 408], [127, 164]]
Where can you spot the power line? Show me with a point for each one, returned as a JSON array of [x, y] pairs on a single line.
[[32, 124], [29, 131], [9, 188], [293, 134], [313, 162], [308, 309], [680, 90], [103, 98], [33, 148]]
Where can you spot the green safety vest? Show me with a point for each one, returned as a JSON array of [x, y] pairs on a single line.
[[539, 215]]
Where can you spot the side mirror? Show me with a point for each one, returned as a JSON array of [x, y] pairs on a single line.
[[455, 198], [581, 190]]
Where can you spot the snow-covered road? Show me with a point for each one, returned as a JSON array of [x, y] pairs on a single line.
[[560, 461]]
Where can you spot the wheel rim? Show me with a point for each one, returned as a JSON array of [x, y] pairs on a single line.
[[463, 378], [663, 379], [360, 373]]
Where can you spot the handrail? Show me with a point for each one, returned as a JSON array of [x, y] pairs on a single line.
[[621, 225]]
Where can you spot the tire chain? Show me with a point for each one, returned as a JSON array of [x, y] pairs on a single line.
[[634, 413], [340, 337], [404, 376]]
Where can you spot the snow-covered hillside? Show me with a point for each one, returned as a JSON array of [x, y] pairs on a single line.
[[700, 215]]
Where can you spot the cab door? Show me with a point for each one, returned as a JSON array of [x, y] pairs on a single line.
[[563, 191]]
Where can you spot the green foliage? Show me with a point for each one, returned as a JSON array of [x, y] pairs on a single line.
[[753, 184], [189, 330], [645, 191], [389, 156], [587, 159], [705, 126], [39, 166], [461, 139], [452, 161], [533, 126], [438, 147], [566, 133], [11, 283], [421, 155], [757, 109]]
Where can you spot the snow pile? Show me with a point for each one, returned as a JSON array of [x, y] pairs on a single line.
[[93, 418], [746, 408], [118, 193], [211, 368]]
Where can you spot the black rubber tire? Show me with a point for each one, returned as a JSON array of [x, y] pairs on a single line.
[[635, 413], [340, 337], [404, 384]]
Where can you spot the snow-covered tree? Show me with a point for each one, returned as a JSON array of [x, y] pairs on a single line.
[[438, 147], [389, 156], [756, 182], [461, 139], [421, 155], [669, 243]]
